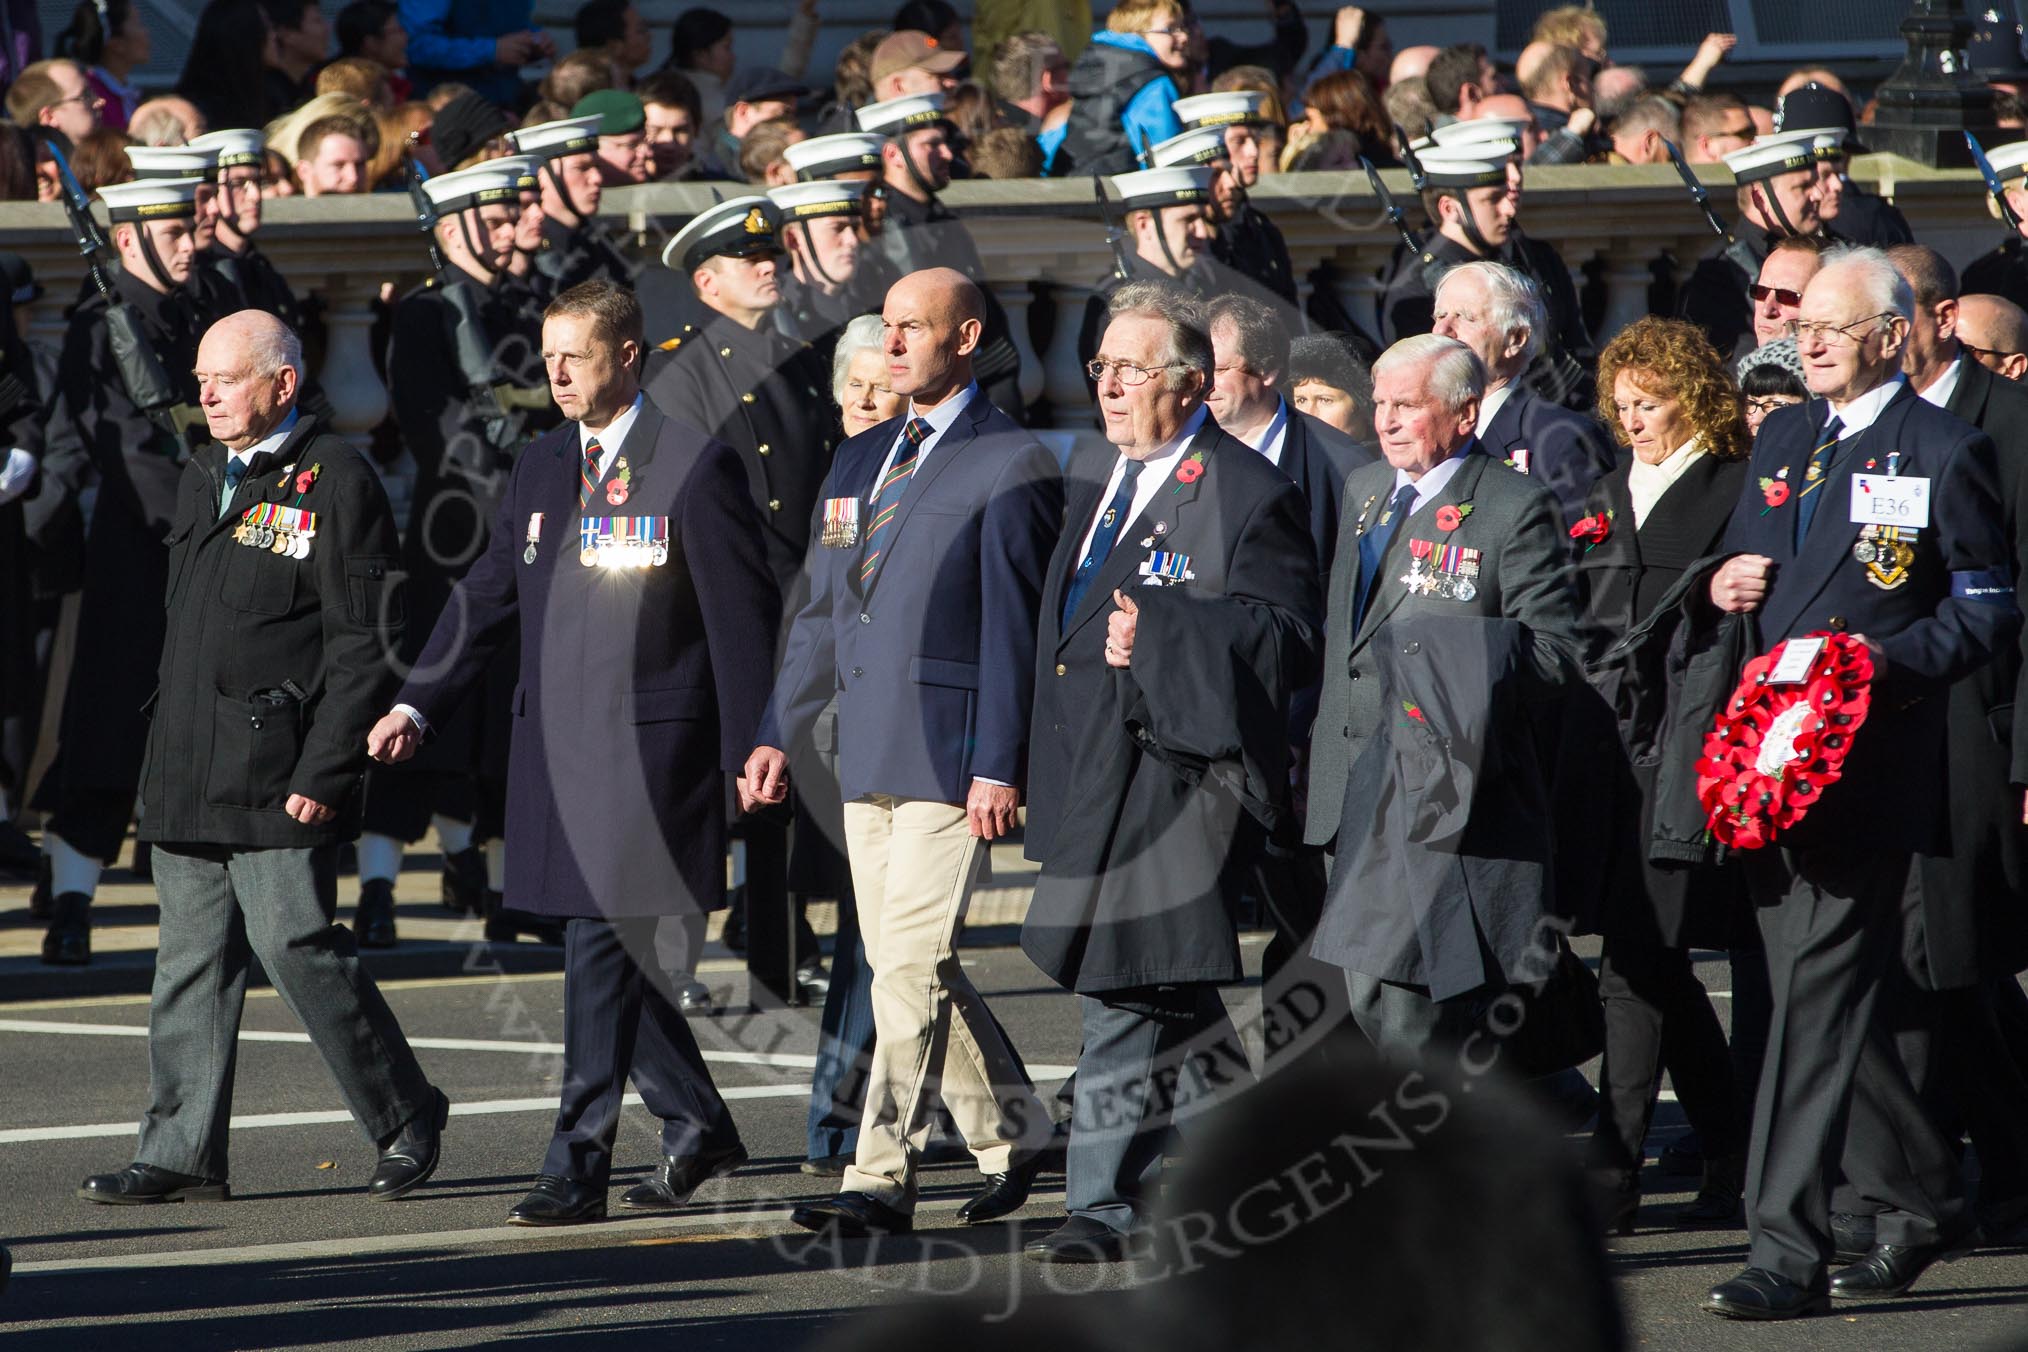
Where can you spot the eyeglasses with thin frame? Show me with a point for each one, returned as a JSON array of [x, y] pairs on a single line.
[[1782, 295], [1986, 351], [1839, 335], [1130, 375], [1768, 403]]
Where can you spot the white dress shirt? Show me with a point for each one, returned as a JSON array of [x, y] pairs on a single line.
[[1492, 402], [1432, 482], [1940, 390], [610, 437], [941, 418], [1155, 472], [1861, 413], [269, 443], [1647, 483], [1275, 436]]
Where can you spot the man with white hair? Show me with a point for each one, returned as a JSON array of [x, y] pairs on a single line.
[[1931, 596], [284, 605], [1438, 530], [1497, 312]]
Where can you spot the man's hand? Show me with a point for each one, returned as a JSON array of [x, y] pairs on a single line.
[[516, 49], [989, 809], [1710, 53], [307, 812], [394, 738], [1120, 626], [1581, 121], [1740, 584], [2024, 809], [766, 780], [1348, 27]]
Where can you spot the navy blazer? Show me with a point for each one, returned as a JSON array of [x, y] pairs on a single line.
[[1951, 613], [1317, 456], [1567, 451], [640, 689], [932, 667]]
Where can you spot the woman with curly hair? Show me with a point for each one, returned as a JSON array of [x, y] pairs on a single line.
[[1670, 400]]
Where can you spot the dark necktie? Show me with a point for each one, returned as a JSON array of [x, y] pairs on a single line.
[[588, 475], [1815, 477], [1373, 546], [1110, 523], [887, 497], [235, 474]]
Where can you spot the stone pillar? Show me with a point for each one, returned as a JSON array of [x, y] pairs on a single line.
[[1063, 382], [1015, 295], [1628, 274], [358, 399]]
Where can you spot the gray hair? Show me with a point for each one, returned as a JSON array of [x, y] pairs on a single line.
[[1512, 301], [859, 335], [1651, 114], [1456, 376], [269, 344], [1878, 280], [1189, 335]]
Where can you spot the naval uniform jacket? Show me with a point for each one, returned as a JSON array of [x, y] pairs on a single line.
[[640, 688], [277, 660], [1947, 616]]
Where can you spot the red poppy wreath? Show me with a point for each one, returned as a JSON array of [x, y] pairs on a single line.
[[1776, 748]]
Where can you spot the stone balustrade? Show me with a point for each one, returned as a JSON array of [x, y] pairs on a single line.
[[1044, 247]]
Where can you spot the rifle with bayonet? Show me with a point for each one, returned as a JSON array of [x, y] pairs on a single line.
[[1387, 205], [1116, 238], [142, 373], [1698, 192], [1993, 185]]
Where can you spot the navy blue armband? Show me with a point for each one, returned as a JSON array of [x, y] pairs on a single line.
[[1992, 587]]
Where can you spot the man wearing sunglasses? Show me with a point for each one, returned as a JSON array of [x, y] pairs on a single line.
[[1995, 332], [1778, 193], [1777, 295]]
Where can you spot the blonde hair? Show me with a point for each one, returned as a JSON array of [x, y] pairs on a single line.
[[1137, 16]]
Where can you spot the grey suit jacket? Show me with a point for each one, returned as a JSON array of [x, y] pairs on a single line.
[[1524, 575]]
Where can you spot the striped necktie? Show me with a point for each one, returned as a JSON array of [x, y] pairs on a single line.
[[588, 473], [887, 498], [1815, 476]]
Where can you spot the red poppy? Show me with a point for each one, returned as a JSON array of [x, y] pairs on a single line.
[[1592, 529], [1776, 491], [1449, 517], [1190, 471], [304, 480], [1413, 711], [616, 492]]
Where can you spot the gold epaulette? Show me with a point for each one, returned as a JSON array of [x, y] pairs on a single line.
[[671, 345]]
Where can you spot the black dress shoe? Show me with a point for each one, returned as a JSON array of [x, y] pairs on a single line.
[[463, 887], [1080, 1239], [1890, 1269], [69, 940], [18, 854], [1683, 1157], [1003, 1195], [374, 922], [559, 1201], [1759, 1294], [41, 903], [852, 1215], [1720, 1202], [1852, 1236], [145, 1185], [411, 1157], [826, 1166], [678, 1176], [694, 997], [813, 981]]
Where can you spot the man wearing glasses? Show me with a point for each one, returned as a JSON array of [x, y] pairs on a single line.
[[233, 257], [1777, 194], [55, 94], [1777, 295], [1930, 594], [1715, 125]]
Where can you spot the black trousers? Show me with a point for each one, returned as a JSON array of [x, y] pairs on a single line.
[[1832, 1085], [619, 1020], [1656, 1012]]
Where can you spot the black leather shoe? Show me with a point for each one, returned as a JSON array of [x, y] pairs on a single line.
[[694, 997], [1890, 1269], [678, 1176], [852, 1215], [1759, 1294], [827, 1166], [374, 922], [1851, 1236], [463, 888], [69, 940], [1683, 1157], [1720, 1202], [145, 1185], [411, 1157], [813, 981], [1080, 1239], [41, 903], [559, 1201], [1003, 1195]]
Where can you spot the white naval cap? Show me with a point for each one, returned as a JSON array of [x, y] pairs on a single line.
[[494, 181], [1203, 145], [1227, 109], [841, 153], [731, 229], [151, 199], [1467, 166], [567, 136], [238, 146], [818, 197], [1769, 159], [1825, 143], [172, 161], [523, 168], [2009, 161], [905, 114], [1177, 185], [1491, 136]]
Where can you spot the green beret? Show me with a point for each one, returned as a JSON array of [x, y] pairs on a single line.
[[620, 110]]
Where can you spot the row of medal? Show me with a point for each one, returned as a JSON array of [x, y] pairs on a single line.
[[1446, 571], [1886, 551], [623, 541], [287, 531]]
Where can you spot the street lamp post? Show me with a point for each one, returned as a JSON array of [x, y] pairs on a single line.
[[1930, 101]]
